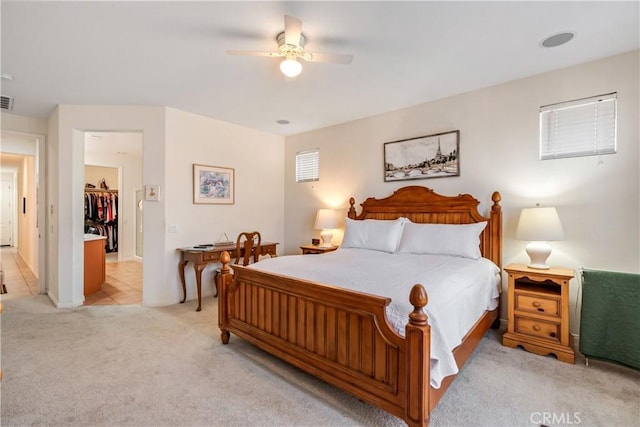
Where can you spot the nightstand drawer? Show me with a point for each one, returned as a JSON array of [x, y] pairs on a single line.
[[538, 328], [537, 304]]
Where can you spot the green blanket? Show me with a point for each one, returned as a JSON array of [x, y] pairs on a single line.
[[610, 316]]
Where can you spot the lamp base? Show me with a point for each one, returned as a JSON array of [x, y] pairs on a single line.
[[538, 252], [326, 237], [539, 266]]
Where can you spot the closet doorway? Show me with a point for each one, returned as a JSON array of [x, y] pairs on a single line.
[[112, 180]]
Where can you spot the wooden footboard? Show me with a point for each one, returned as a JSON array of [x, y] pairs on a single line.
[[337, 335]]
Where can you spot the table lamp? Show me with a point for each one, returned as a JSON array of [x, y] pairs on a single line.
[[326, 221], [538, 226]]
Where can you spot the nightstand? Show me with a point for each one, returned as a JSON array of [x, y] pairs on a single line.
[[538, 309], [311, 249]]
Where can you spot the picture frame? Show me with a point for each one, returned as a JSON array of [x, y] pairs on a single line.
[[423, 157], [213, 185], [152, 193]]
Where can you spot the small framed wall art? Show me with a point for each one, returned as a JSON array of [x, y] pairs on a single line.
[[431, 156], [152, 193], [213, 185]]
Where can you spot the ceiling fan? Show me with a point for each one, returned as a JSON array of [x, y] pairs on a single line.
[[291, 47]]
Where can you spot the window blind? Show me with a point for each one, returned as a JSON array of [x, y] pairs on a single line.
[[583, 127], [308, 165]]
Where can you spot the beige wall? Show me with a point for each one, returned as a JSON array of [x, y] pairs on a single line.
[[257, 159], [23, 124], [65, 161], [597, 197], [172, 142]]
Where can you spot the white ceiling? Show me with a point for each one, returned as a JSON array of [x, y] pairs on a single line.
[[405, 53]]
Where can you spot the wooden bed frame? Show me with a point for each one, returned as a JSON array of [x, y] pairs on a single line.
[[343, 337]]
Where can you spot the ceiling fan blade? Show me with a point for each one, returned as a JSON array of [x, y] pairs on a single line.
[[292, 30], [334, 58], [244, 52]]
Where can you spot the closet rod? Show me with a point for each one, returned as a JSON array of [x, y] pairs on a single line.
[[99, 190]]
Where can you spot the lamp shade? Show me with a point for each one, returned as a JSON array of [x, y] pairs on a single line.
[[326, 219], [539, 225]]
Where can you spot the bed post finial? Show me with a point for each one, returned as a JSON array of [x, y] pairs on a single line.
[[352, 210], [418, 299], [496, 198], [418, 339], [225, 259]]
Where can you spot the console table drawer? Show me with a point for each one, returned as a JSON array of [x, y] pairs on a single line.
[[210, 256], [269, 250]]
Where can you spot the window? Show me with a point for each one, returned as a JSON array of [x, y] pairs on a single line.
[[308, 165], [584, 127]]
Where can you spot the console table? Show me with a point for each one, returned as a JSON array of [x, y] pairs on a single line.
[[201, 257]]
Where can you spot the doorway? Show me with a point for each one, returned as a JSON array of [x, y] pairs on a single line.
[[22, 214], [112, 175]]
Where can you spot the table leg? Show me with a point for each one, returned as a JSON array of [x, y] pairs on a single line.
[[181, 266], [199, 269]]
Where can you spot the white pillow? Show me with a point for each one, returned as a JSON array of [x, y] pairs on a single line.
[[461, 240], [378, 235]]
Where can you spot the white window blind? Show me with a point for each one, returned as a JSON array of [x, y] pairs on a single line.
[[308, 165], [584, 127]]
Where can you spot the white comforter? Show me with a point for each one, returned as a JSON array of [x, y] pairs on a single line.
[[459, 290]]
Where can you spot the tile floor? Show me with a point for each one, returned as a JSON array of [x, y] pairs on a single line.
[[123, 285], [18, 278]]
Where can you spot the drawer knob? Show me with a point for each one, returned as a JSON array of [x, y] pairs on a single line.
[[552, 334], [538, 306], [536, 328]]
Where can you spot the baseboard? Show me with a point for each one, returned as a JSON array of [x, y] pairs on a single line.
[[575, 342], [59, 304], [503, 324], [29, 266]]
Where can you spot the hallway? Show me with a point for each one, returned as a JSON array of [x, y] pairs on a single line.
[[122, 287], [18, 278]]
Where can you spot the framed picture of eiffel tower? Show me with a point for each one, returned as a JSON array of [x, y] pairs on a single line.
[[431, 156]]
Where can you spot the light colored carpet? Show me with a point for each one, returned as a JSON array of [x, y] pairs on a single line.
[[141, 366]]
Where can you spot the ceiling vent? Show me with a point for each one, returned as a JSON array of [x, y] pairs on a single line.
[[6, 102]]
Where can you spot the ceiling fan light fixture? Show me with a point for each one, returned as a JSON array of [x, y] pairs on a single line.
[[290, 67]]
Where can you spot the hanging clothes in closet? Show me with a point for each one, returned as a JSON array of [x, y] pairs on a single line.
[[101, 216]]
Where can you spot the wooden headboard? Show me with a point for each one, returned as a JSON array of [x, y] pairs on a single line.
[[423, 205]]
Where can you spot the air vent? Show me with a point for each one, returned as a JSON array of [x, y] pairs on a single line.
[[6, 102]]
